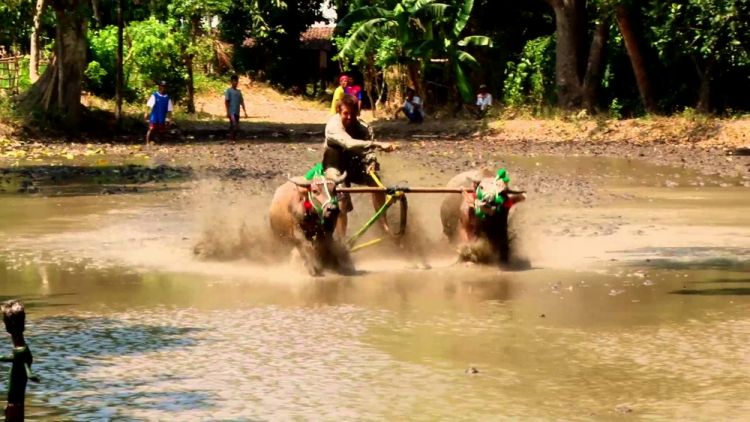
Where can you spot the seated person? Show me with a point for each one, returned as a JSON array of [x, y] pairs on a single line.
[[412, 107], [348, 148], [483, 104], [484, 99]]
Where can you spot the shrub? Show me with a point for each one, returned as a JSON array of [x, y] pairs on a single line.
[[530, 81]]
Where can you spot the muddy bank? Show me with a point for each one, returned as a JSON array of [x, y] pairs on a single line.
[[706, 160]]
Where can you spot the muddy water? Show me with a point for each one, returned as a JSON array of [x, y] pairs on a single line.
[[637, 305]]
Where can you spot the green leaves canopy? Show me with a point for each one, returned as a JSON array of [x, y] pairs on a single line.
[[422, 29]]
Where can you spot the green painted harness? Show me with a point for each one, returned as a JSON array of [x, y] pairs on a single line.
[[496, 202]]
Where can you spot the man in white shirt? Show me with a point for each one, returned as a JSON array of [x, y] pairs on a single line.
[[412, 107], [483, 104], [484, 98]]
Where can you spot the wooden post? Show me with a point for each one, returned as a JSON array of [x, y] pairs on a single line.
[[118, 66]]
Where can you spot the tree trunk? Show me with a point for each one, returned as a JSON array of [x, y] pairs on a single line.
[[636, 58], [34, 48], [593, 76], [395, 82], [194, 25], [568, 80], [118, 64], [58, 91], [415, 79], [705, 74]]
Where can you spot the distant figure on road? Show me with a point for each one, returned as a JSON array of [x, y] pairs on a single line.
[[159, 114], [412, 107], [233, 101], [339, 93]]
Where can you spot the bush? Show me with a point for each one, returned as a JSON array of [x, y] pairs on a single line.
[[152, 52], [530, 81]]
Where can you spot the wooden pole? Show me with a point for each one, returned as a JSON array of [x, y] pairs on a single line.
[[402, 189], [118, 66]]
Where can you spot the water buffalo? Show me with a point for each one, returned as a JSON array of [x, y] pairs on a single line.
[[477, 220], [303, 213]]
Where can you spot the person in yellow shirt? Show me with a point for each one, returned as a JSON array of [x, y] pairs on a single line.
[[339, 93]]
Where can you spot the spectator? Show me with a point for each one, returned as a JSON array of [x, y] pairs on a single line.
[[14, 317], [484, 99], [483, 104], [412, 107], [339, 92], [159, 114], [233, 101], [355, 91]]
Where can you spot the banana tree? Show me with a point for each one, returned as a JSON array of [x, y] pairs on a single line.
[[422, 30], [447, 43]]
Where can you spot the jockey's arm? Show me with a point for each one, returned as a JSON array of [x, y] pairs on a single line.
[[336, 135]]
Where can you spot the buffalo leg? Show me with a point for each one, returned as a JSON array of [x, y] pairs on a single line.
[[309, 256]]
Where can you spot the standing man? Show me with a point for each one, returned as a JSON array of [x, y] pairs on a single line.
[[233, 100], [348, 148], [159, 114], [339, 92]]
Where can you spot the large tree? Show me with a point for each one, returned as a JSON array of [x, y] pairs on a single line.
[[58, 90]]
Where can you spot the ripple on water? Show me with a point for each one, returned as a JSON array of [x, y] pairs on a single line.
[[168, 363]]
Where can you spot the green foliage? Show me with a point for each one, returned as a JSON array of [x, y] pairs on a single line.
[[412, 30], [705, 29], [15, 16], [530, 81], [615, 109], [152, 52], [274, 27], [709, 37], [95, 74]]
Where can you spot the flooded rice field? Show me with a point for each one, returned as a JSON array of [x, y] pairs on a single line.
[[635, 304]]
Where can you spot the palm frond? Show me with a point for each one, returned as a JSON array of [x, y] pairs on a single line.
[[476, 41], [462, 83], [424, 48], [463, 17], [361, 36], [419, 4], [361, 14], [466, 58], [435, 11]]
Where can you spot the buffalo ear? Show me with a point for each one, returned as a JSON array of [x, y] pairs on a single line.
[[300, 181]]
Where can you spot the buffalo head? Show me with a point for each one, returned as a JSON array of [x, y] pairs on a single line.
[[320, 205]]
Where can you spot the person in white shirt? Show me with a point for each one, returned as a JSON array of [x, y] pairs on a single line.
[[159, 114], [484, 98], [483, 104], [412, 107]]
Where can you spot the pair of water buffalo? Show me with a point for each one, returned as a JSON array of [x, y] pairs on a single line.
[[304, 212]]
